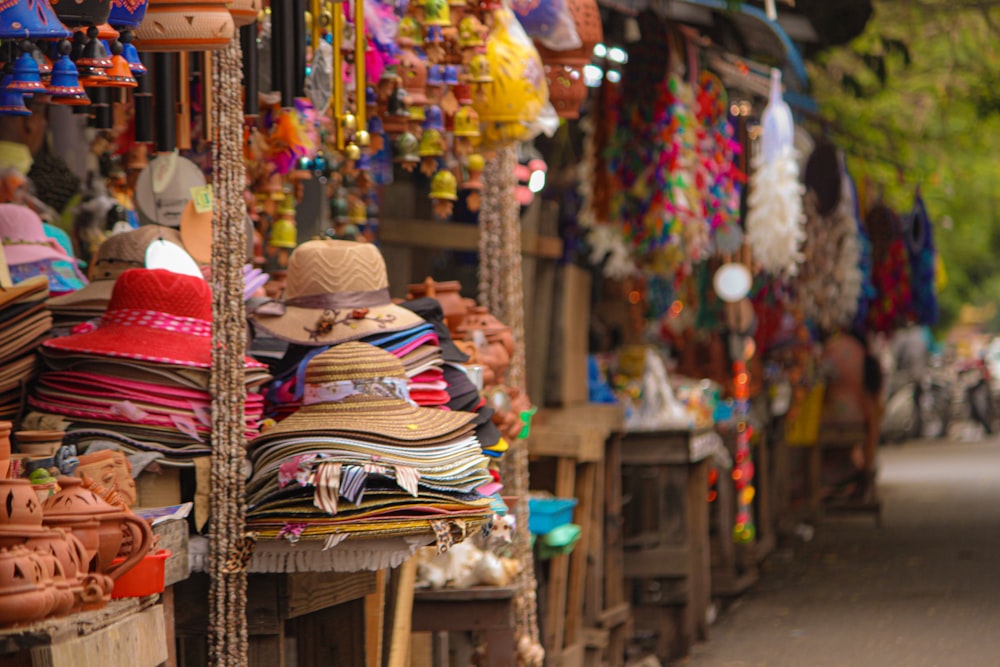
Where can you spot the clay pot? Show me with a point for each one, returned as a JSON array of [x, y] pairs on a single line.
[[25, 593], [19, 506], [76, 13], [245, 11], [5, 428], [567, 91], [38, 443], [62, 588], [587, 19], [75, 504], [448, 294], [179, 25], [499, 348]]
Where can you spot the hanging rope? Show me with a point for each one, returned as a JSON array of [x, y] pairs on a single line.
[[227, 597], [501, 289]]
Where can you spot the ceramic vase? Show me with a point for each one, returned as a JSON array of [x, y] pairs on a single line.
[[175, 25]]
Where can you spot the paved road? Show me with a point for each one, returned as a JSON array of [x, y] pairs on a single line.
[[922, 591]]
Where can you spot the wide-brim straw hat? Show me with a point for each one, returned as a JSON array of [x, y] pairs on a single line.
[[336, 291], [358, 388], [117, 254]]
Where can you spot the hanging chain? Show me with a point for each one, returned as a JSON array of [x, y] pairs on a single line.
[[227, 596]]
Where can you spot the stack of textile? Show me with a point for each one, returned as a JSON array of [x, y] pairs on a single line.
[[358, 462], [117, 254], [142, 372], [24, 323]]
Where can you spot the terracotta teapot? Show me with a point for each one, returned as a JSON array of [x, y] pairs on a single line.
[[75, 504], [25, 593], [448, 294]]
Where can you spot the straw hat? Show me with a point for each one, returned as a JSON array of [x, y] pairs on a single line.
[[117, 254], [358, 388], [336, 291], [153, 315], [23, 237]]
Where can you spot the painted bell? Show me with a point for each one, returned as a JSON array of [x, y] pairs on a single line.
[[95, 54], [437, 12], [475, 164], [406, 148], [172, 25], [132, 56], [567, 90], [466, 122], [417, 115], [30, 19], [479, 69], [127, 13], [120, 74], [78, 13], [435, 75], [450, 75], [12, 101], [433, 118], [444, 186], [65, 82], [470, 32], [25, 77], [357, 212], [245, 11], [431, 144], [283, 234], [410, 31]]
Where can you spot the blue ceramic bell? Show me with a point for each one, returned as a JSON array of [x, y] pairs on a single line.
[[26, 78], [434, 119], [450, 75], [434, 76], [127, 14], [30, 19], [375, 126], [12, 101], [65, 79], [132, 56]]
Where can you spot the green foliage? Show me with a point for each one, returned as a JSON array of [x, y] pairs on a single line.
[[915, 100]]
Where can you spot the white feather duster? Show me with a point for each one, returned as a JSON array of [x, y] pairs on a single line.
[[774, 220]]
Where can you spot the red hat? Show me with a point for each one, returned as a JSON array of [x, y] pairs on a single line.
[[154, 315]]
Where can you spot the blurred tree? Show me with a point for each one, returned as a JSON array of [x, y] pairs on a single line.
[[916, 100]]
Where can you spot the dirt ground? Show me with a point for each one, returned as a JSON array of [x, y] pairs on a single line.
[[921, 591]]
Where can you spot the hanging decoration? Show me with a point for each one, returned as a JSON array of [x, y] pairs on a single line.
[[893, 306], [923, 262], [744, 529], [718, 175], [774, 221]]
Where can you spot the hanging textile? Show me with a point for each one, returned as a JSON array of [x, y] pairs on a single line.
[[923, 260]]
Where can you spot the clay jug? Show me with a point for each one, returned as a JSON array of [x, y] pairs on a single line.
[[245, 11], [77, 13], [448, 294], [179, 25], [587, 19], [567, 91], [75, 502]]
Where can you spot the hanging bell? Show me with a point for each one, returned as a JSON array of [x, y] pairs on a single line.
[[106, 33], [25, 77], [357, 212], [470, 32], [244, 12], [466, 122], [81, 13], [435, 76], [120, 74], [450, 75], [44, 64], [127, 14], [437, 13], [131, 54], [409, 32], [417, 115], [406, 148], [30, 20], [94, 54], [283, 234], [479, 69], [433, 118], [444, 186], [431, 144], [64, 87], [475, 164], [12, 101]]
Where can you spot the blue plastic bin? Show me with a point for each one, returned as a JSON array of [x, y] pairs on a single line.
[[546, 514]]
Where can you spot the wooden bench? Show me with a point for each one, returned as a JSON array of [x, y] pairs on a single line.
[[483, 609]]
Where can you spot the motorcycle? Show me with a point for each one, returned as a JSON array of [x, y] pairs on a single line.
[[920, 408]]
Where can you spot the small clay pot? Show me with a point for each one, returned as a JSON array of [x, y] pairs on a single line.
[[38, 443], [19, 506], [448, 294], [24, 594]]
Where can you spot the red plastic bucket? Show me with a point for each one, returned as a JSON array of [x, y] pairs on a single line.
[[146, 578]]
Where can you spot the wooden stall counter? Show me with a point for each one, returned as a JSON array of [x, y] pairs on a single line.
[[666, 533], [130, 631]]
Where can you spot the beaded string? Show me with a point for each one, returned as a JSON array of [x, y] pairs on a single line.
[[501, 289], [227, 596]]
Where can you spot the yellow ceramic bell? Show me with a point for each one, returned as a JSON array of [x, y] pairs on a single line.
[[283, 234], [444, 185], [466, 122], [470, 32], [431, 144], [479, 69], [437, 12], [410, 32]]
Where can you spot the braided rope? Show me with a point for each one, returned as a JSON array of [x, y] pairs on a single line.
[[501, 289], [227, 596]]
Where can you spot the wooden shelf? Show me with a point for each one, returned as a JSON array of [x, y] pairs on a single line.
[[456, 236]]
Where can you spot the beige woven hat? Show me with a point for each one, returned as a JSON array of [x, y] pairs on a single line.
[[336, 291], [358, 388], [117, 254]]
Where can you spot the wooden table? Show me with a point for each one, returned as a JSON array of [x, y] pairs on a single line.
[[666, 528], [129, 631], [486, 610], [586, 611]]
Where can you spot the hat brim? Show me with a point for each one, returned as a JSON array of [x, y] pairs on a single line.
[[307, 326], [23, 290], [388, 418], [28, 253], [90, 295]]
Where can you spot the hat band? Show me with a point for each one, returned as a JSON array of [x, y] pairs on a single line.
[[359, 299], [133, 317], [340, 390]]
